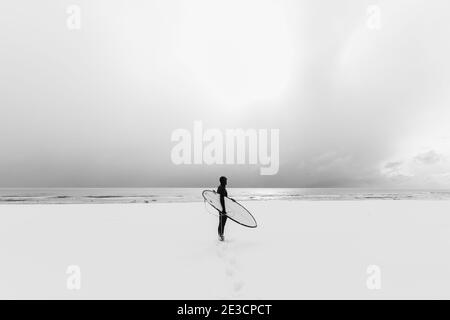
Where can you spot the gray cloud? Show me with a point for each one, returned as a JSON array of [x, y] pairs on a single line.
[[97, 107], [428, 158], [394, 165]]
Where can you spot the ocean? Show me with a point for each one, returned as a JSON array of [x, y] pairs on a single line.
[[167, 195]]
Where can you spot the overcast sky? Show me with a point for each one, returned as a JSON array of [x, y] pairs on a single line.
[[356, 105]]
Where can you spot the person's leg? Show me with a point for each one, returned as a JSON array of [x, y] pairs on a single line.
[[222, 221], [219, 229], [223, 224]]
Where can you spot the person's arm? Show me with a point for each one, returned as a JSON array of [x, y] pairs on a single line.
[[222, 202]]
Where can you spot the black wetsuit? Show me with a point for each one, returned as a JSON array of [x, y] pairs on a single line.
[[222, 217]]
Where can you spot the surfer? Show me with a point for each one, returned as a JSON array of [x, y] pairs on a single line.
[[222, 191]]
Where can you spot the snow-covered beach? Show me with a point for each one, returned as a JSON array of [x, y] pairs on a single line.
[[301, 249]]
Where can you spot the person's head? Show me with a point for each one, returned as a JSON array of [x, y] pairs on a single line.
[[223, 181]]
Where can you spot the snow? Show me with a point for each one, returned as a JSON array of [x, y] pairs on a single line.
[[300, 250]]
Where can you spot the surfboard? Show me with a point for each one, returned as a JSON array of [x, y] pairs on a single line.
[[234, 210]]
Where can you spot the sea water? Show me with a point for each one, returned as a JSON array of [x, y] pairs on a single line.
[[150, 195]]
